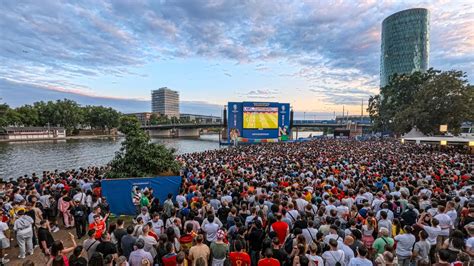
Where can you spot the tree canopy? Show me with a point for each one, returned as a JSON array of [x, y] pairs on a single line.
[[138, 157], [65, 113], [423, 100]]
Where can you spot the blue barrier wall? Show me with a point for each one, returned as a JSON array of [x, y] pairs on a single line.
[[118, 192]]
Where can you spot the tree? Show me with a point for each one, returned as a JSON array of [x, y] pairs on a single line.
[[29, 115], [3, 118], [99, 117], [138, 157], [425, 100]]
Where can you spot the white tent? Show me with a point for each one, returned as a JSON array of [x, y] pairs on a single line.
[[414, 133]]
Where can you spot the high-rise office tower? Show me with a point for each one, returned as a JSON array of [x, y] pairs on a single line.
[[165, 102], [405, 43]]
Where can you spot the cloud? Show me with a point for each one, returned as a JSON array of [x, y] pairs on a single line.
[[17, 94], [336, 44]]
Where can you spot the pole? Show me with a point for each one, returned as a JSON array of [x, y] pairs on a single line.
[[362, 111]]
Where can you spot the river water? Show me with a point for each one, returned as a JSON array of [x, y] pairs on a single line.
[[19, 158]]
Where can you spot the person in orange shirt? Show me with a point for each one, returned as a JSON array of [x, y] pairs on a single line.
[[239, 257], [98, 225], [268, 260]]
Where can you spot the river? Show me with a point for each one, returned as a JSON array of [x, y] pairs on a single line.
[[19, 158]]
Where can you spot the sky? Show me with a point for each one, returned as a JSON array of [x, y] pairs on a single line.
[[320, 56]]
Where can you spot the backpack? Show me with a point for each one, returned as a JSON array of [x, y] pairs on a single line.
[[288, 245], [78, 212]]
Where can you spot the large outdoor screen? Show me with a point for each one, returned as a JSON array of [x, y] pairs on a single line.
[[260, 117]]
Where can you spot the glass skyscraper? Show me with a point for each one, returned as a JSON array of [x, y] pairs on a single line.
[[405, 43]]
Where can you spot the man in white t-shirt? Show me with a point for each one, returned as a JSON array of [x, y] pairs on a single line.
[[333, 255], [157, 224], [433, 232], [180, 199], [405, 244], [445, 223]]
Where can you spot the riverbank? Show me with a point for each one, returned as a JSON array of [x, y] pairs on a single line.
[[65, 138]]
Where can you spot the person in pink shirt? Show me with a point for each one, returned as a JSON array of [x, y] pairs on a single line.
[[64, 203]]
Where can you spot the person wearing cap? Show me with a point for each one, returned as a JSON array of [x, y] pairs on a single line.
[[219, 249], [23, 227], [333, 255], [79, 212], [383, 240], [139, 254]]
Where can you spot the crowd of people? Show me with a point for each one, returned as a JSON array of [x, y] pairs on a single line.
[[322, 202]]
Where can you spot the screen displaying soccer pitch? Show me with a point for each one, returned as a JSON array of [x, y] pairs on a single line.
[[260, 117]]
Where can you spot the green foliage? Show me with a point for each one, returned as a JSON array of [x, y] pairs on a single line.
[[425, 100], [65, 113], [138, 157], [100, 117]]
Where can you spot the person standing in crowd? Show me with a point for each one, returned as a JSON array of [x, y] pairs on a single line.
[[4, 241], [219, 250], [90, 244], [361, 259], [321, 190], [139, 255], [239, 256], [79, 213], [333, 255], [421, 250], [268, 260], [45, 238], [405, 244], [199, 251], [23, 228], [281, 228], [382, 241], [106, 247], [127, 242], [99, 226]]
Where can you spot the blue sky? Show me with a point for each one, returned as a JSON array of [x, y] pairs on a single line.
[[317, 55]]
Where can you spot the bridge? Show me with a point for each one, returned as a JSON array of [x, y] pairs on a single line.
[[193, 129]]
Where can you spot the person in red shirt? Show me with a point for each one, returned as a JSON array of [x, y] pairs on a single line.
[[98, 225], [239, 257], [280, 228], [268, 260], [170, 258]]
